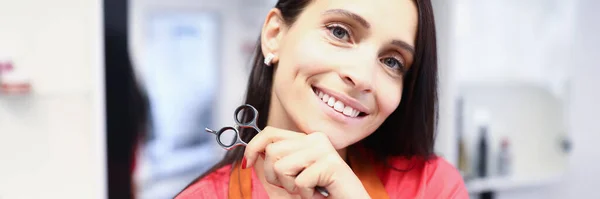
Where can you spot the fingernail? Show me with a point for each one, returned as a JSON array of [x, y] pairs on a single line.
[[244, 163]]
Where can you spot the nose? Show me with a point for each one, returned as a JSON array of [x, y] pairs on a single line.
[[359, 75]]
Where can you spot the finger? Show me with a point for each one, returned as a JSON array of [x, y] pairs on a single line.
[[313, 147], [287, 182], [316, 174], [288, 167], [307, 193], [262, 139], [312, 194], [276, 151], [290, 157], [294, 163], [293, 156], [283, 148], [269, 172], [317, 195]]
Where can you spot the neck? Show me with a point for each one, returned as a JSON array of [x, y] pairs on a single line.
[[279, 118]]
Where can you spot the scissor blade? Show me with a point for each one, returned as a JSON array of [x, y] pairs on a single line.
[[209, 130]]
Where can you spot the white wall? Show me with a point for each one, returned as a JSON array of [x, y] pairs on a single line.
[[498, 42], [582, 178], [575, 59], [445, 138], [52, 141]]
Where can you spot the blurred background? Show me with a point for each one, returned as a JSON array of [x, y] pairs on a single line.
[[518, 105]]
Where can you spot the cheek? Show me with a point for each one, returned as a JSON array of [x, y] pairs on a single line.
[[389, 97], [308, 55]]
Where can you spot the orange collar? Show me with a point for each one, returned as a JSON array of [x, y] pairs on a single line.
[[240, 180]]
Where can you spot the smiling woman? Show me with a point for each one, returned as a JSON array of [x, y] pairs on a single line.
[[347, 99]]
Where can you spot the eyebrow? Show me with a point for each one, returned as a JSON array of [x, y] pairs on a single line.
[[404, 46], [347, 13], [363, 22]]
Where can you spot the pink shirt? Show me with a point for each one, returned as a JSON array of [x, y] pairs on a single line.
[[435, 179]]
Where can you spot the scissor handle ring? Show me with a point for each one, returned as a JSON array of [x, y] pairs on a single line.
[[252, 122], [237, 137]]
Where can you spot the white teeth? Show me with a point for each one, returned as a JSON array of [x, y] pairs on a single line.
[[348, 111], [331, 101], [338, 106]]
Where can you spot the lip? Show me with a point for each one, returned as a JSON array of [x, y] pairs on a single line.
[[337, 116], [348, 101]]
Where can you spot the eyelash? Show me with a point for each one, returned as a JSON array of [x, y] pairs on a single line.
[[333, 26], [399, 67]]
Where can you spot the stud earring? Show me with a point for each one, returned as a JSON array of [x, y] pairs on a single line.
[[269, 58]]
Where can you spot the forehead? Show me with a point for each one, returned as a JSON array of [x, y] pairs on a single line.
[[396, 19]]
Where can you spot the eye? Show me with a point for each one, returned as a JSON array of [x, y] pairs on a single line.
[[393, 63], [339, 32]]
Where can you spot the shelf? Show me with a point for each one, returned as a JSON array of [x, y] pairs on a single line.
[[46, 95], [508, 183]]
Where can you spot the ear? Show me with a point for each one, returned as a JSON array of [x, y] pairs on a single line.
[[272, 33]]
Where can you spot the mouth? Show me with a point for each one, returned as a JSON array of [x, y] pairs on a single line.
[[340, 104]]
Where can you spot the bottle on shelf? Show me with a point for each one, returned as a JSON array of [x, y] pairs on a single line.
[[482, 121], [463, 159], [504, 158], [482, 149], [463, 156]]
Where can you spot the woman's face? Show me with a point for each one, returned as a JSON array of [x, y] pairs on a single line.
[[340, 65]]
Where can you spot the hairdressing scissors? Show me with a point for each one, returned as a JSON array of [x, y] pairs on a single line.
[[238, 116], [250, 122]]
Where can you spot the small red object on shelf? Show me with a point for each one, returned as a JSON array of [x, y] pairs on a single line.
[[11, 80]]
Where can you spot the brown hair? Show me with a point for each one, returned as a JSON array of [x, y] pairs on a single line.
[[408, 131]]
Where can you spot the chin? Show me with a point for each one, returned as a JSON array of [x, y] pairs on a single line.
[[339, 137]]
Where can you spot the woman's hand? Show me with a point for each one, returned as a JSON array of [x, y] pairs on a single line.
[[299, 162]]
